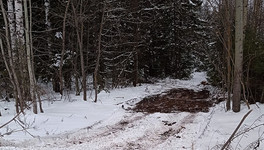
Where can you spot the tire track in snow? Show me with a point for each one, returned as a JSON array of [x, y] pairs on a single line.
[[150, 140], [100, 137], [136, 131], [120, 135]]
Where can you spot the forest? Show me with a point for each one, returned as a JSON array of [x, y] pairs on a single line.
[[81, 45], [131, 74]]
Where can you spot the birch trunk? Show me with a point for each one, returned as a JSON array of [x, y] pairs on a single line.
[[17, 90], [48, 23], [12, 24], [19, 21], [21, 62], [47, 10], [12, 32]]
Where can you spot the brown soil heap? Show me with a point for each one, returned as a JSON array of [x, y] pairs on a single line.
[[176, 100]]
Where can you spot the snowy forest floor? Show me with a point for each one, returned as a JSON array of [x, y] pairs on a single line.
[[171, 114]]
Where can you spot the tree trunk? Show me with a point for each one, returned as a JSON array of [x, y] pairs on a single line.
[[12, 32], [17, 90], [96, 70], [136, 72], [228, 47], [63, 48], [32, 80], [79, 33], [12, 24], [136, 51], [19, 21], [37, 92], [21, 61], [245, 11], [76, 73], [256, 13], [47, 22], [238, 68], [48, 28], [136, 61]]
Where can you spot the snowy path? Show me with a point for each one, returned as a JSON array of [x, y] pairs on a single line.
[[133, 131]]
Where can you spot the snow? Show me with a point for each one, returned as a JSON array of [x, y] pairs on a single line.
[[70, 123], [58, 35]]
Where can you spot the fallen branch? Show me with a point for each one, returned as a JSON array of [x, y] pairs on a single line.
[[11, 120], [251, 127], [233, 134]]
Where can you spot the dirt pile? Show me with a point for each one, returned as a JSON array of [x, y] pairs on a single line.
[[176, 100]]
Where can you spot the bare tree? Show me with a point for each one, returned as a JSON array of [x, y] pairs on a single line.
[[78, 21]]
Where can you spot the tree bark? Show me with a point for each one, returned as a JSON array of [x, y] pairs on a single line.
[[12, 24], [21, 62], [238, 68], [48, 25], [245, 11], [12, 32], [257, 13], [19, 21], [228, 47]]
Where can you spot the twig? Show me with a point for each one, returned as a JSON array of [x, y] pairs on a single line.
[[251, 127], [11, 120], [10, 132], [247, 130], [24, 128], [233, 134], [244, 94]]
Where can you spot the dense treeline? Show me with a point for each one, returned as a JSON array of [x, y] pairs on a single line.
[[121, 43], [222, 46]]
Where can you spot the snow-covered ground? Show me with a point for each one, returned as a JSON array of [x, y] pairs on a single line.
[[73, 124]]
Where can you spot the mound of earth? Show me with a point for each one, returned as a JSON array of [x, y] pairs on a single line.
[[175, 100]]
